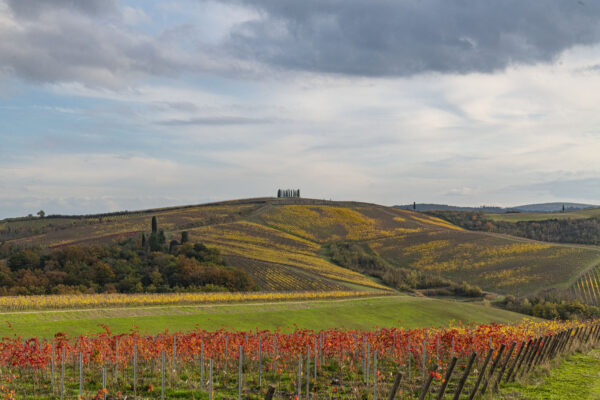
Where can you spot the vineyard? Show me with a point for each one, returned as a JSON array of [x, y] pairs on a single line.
[[20, 303], [331, 364], [287, 240], [257, 244], [587, 287]]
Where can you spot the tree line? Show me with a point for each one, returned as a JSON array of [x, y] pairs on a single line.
[[148, 264], [285, 193], [565, 230]]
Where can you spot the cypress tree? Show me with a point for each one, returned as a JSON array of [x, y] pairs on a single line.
[[184, 237], [154, 225], [143, 240]]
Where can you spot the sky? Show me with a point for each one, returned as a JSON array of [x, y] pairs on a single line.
[[110, 105]]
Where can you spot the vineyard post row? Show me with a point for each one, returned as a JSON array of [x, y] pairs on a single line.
[[389, 363]]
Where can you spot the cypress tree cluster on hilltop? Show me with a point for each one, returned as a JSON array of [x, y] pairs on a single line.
[[286, 193]]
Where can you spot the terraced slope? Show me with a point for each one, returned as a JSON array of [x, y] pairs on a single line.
[[280, 243]]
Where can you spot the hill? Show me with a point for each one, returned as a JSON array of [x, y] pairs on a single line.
[[583, 213], [446, 207], [552, 207], [527, 208], [286, 244]]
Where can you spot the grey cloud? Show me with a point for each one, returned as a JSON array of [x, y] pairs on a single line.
[[229, 120], [34, 8], [67, 46], [399, 38]]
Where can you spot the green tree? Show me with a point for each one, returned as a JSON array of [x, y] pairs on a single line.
[[41, 214], [154, 225]]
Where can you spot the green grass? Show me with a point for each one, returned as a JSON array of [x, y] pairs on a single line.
[[578, 377], [516, 217], [404, 311]]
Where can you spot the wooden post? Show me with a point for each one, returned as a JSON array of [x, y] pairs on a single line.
[[536, 357], [447, 377], [174, 364], [315, 362], [52, 372], [270, 392], [201, 364], [426, 384], [135, 369], [543, 350], [495, 363], [162, 375], [555, 343], [210, 379], [515, 367], [259, 362], [423, 359], [299, 376], [552, 339], [465, 375], [240, 376], [481, 372], [555, 351], [503, 368], [62, 374], [80, 374], [368, 362], [558, 349], [532, 353], [375, 374], [395, 386], [116, 362], [308, 373], [571, 340]]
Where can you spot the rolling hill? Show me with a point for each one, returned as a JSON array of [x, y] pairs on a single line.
[[282, 243]]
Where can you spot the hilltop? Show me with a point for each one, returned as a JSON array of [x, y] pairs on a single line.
[[287, 244], [526, 208]]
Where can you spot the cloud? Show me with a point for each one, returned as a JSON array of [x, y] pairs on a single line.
[[579, 189], [34, 8], [401, 38], [99, 42], [228, 120]]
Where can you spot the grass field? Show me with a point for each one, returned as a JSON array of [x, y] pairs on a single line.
[[577, 377], [526, 216], [369, 313]]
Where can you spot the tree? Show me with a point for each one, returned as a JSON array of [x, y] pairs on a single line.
[[143, 240], [414, 205], [154, 225], [184, 237], [42, 214], [563, 208]]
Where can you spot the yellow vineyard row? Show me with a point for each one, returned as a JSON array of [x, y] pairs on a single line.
[[17, 303]]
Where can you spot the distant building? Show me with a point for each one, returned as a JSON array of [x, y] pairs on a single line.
[[288, 193]]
